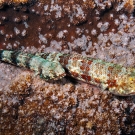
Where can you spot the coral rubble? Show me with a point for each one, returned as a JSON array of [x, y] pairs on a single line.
[[102, 29]]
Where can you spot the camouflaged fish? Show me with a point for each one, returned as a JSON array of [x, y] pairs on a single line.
[[47, 70], [117, 79]]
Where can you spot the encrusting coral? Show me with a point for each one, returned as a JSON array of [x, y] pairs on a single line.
[[14, 1], [101, 29], [33, 106]]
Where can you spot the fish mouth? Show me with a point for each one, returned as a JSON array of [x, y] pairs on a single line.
[[60, 76]]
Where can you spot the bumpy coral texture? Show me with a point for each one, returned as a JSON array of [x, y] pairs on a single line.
[[99, 29], [30, 105]]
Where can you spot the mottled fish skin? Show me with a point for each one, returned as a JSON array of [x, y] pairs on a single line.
[[117, 79], [48, 70]]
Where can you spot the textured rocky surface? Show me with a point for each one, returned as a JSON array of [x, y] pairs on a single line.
[[100, 29], [30, 105]]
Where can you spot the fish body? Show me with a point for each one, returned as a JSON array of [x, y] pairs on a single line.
[[117, 79], [48, 70]]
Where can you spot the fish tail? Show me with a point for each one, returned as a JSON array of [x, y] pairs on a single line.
[[7, 56], [15, 57], [1, 51]]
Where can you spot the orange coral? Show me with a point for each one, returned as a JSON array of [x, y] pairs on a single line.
[[129, 5], [36, 107]]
